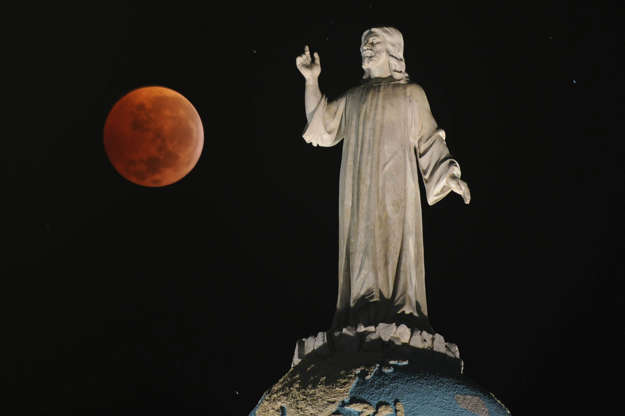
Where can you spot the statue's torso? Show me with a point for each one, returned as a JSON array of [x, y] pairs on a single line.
[[383, 112]]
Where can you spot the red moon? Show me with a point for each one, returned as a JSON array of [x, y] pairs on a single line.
[[153, 136]]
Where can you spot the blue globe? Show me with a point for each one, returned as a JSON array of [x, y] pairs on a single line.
[[398, 383]]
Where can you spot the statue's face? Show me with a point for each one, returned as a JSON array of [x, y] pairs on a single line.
[[373, 51]]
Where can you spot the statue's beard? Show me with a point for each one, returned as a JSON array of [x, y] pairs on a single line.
[[375, 64], [369, 60]]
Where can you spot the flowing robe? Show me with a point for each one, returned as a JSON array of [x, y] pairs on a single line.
[[389, 136]]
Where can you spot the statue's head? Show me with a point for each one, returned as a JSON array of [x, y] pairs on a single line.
[[382, 51]]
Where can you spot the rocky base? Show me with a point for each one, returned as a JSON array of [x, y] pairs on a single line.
[[379, 338]]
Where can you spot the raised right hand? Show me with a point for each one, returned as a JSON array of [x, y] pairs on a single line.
[[309, 68]]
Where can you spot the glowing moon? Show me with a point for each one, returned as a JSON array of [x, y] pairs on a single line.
[[153, 136]]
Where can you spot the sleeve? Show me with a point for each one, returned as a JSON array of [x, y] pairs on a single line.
[[325, 127], [434, 159]]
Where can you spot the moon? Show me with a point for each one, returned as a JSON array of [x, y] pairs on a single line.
[[153, 136]]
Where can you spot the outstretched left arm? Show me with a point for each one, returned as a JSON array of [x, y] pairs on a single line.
[[440, 172]]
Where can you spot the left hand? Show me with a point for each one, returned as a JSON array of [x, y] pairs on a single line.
[[460, 187]]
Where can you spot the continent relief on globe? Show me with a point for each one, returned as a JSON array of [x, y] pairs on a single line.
[[376, 384], [383, 370]]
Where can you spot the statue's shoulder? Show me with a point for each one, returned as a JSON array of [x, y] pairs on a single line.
[[356, 89], [415, 90]]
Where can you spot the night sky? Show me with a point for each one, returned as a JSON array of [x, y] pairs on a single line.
[[188, 299]]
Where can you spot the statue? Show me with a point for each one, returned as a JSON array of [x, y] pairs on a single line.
[[389, 136]]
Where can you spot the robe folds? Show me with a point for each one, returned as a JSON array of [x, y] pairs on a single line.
[[389, 137]]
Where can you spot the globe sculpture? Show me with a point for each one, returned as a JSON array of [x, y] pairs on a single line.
[[382, 370], [380, 355]]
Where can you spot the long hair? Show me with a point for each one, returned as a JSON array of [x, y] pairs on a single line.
[[395, 49]]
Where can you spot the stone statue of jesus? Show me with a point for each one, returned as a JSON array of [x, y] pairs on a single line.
[[389, 136]]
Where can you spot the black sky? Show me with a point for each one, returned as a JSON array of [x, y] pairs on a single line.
[[188, 299]]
